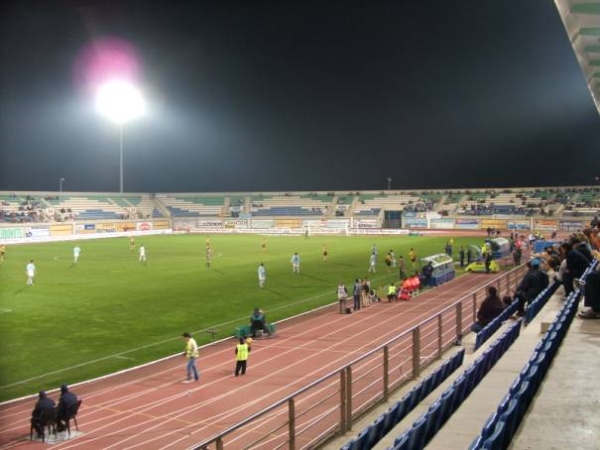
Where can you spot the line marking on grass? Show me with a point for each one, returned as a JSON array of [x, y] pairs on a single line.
[[124, 357], [5, 311]]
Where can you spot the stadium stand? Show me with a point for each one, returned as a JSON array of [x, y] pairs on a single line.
[[191, 205], [290, 205]]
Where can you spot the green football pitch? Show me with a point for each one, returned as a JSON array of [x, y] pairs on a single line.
[[110, 312]]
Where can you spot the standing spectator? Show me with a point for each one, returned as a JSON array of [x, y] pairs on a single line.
[[262, 275], [142, 252], [469, 255], [372, 263], [461, 256], [30, 271], [428, 274], [295, 261], [591, 300], [448, 248], [66, 403], [391, 295], [517, 253], [576, 263], [342, 295], [76, 253], [532, 284], [191, 353], [43, 404], [489, 309], [401, 265], [356, 294], [488, 260], [242, 350], [365, 288]]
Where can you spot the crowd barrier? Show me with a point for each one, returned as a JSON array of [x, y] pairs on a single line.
[[373, 433], [426, 426], [502, 425]]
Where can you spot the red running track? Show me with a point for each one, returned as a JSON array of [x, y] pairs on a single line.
[[149, 407]]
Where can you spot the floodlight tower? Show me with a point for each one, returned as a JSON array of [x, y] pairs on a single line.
[[120, 102]]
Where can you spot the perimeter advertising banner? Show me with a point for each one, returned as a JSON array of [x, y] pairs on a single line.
[[288, 223], [518, 224], [466, 224], [85, 228], [441, 224], [39, 231], [571, 225], [414, 220], [62, 229], [235, 224], [212, 224], [12, 233], [499, 224], [144, 226], [262, 223], [545, 225]]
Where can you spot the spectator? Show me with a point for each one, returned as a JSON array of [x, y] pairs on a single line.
[[43, 404], [461, 256], [427, 273], [489, 309], [391, 295], [591, 300], [532, 284], [191, 353], [576, 263], [356, 294], [342, 295], [66, 403], [258, 321]]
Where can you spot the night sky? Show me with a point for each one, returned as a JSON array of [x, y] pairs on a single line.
[[305, 95]]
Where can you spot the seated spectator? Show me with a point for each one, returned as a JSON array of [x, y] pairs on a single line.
[[258, 321], [591, 300], [489, 309], [576, 263], [532, 284], [66, 402], [43, 404]]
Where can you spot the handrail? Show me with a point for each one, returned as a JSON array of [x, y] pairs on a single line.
[[217, 438]]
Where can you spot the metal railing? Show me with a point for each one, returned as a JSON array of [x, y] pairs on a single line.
[[329, 405]]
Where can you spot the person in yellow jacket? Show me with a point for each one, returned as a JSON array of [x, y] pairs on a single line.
[[242, 350], [191, 353]]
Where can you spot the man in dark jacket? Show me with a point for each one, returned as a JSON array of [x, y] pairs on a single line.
[[532, 284], [43, 404], [576, 265], [66, 403]]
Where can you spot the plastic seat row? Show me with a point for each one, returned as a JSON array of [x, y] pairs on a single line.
[[501, 426], [373, 433], [426, 426], [536, 305]]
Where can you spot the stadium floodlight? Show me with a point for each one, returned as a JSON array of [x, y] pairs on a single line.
[[120, 102], [60, 184]]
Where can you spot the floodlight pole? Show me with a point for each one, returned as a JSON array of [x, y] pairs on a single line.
[[121, 159], [60, 184]]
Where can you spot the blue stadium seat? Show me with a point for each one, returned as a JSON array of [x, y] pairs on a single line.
[[416, 395], [361, 441], [402, 442], [495, 441], [377, 431], [460, 385], [489, 426], [428, 385], [476, 444], [447, 400], [434, 415], [510, 417], [417, 433]]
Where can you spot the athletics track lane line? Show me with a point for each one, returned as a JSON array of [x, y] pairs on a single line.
[[291, 328]]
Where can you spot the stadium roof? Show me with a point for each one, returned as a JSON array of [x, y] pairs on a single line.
[[582, 22]]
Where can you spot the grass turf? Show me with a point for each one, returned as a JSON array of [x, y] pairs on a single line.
[[110, 312]]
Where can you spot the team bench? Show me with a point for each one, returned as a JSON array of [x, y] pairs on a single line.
[[246, 330]]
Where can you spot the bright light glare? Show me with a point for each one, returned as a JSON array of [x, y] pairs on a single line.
[[119, 101]]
